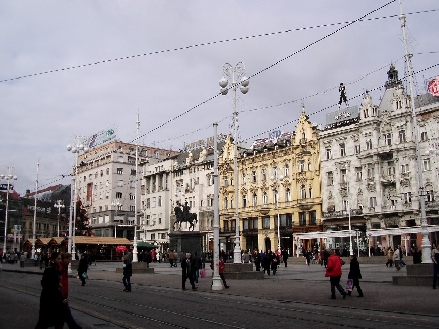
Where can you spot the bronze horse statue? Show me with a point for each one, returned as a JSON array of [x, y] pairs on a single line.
[[184, 216]]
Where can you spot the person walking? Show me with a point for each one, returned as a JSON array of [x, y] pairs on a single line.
[[389, 262], [187, 272], [22, 259], [401, 256], [257, 260], [127, 272], [196, 263], [52, 301], [333, 271], [82, 269], [266, 262], [285, 256], [66, 258], [355, 275], [396, 258], [274, 262], [435, 258], [171, 258]]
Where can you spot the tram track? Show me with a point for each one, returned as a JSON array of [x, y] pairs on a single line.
[[120, 310]]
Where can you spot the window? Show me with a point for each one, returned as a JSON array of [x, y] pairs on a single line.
[[119, 171], [120, 158], [342, 150], [427, 165], [407, 197], [405, 168], [287, 170], [390, 168], [366, 112], [372, 202], [107, 171], [357, 149], [313, 217], [328, 154], [402, 138], [424, 136], [148, 203], [265, 198], [276, 196], [303, 192], [264, 174], [244, 201], [243, 178], [255, 199], [342, 175], [330, 178], [254, 176], [288, 195], [132, 208], [370, 171], [159, 201], [119, 183], [266, 222], [286, 220], [345, 205], [154, 202], [302, 165], [132, 196], [310, 192], [275, 172], [118, 195], [133, 172], [358, 173], [430, 196], [102, 174], [302, 218], [387, 139], [368, 144], [226, 203]]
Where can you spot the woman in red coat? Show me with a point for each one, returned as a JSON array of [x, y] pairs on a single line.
[[333, 271]]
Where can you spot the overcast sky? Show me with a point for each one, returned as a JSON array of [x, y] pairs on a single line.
[[173, 83]]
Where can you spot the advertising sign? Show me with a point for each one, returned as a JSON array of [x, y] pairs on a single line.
[[433, 87], [101, 137], [342, 117]]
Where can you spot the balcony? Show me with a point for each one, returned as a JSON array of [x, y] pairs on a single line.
[[432, 204], [342, 213]]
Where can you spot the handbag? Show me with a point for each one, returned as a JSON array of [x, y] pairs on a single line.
[[203, 273], [84, 275], [349, 284]]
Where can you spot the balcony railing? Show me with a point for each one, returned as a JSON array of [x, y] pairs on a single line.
[[432, 204], [342, 213]]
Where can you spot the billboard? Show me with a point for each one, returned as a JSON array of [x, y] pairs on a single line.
[[433, 87], [101, 137], [342, 117]]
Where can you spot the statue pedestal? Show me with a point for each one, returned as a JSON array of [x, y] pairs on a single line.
[[185, 242], [138, 267], [242, 272], [417, 275]]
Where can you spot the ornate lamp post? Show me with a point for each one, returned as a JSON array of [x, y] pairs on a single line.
[[59, 204], [8, 178], [76, 149], [276, 180], [235, 73]]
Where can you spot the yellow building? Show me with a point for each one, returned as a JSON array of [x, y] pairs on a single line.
[[278, 182]]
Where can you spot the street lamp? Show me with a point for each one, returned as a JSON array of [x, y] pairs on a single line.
[[276, 180], [116, 203], [77, 148], [7, 177], [235, 73], [59, 204]]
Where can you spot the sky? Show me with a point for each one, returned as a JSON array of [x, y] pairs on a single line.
[[74, 68]]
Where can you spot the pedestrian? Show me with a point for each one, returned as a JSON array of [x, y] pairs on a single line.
[[396, 259], [257, 260], [127, 272], [435, 258], [22, 259], [51, 311], [266, 262], [82, 269], [389, 262], [401, 256], [274, 262], [187, 272], [333, 271], [171, 258], [355, 275], [221, 267], [36, 260], [196, 263], [285, 256], [66, 258], [417, 256]]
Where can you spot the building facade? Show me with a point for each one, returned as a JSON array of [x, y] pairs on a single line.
[[279, 190]]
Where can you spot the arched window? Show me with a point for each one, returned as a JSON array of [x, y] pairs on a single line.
[[265, 198], [288, 195], [255, 199], [303, 192]]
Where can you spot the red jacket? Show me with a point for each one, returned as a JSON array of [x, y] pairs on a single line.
[[64, 279], [333, 268]]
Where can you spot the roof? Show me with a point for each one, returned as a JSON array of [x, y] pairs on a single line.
[[101, 240]]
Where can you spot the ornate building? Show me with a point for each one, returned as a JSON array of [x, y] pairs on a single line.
[[279, 183], [369, 167]]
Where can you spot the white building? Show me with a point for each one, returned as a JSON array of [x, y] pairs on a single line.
[[369, 166]]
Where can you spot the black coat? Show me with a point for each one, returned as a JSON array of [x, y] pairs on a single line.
[[83, 266], [186, 267], [51, 300], [127, 268], [354, 269]]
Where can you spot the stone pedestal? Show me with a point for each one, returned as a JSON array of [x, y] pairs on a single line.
[[138, 267], [417, 275], [185, 242], [242, 272]]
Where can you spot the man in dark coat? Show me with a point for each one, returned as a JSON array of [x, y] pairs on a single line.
[[355, 275], [285, 256], [82, 269], [187, 272], [127, 272]]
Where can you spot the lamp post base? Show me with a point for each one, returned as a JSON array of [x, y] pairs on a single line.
[[216, 283]]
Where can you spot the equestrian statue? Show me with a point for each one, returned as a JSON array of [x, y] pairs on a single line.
[[183, 215]]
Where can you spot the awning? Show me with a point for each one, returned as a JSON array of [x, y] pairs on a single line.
[[401, 230], [322, 235], [146, 245]]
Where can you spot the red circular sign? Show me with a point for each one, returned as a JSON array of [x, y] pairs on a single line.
[[433, 87]]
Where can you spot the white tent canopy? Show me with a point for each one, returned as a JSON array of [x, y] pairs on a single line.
[[373, 232]]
